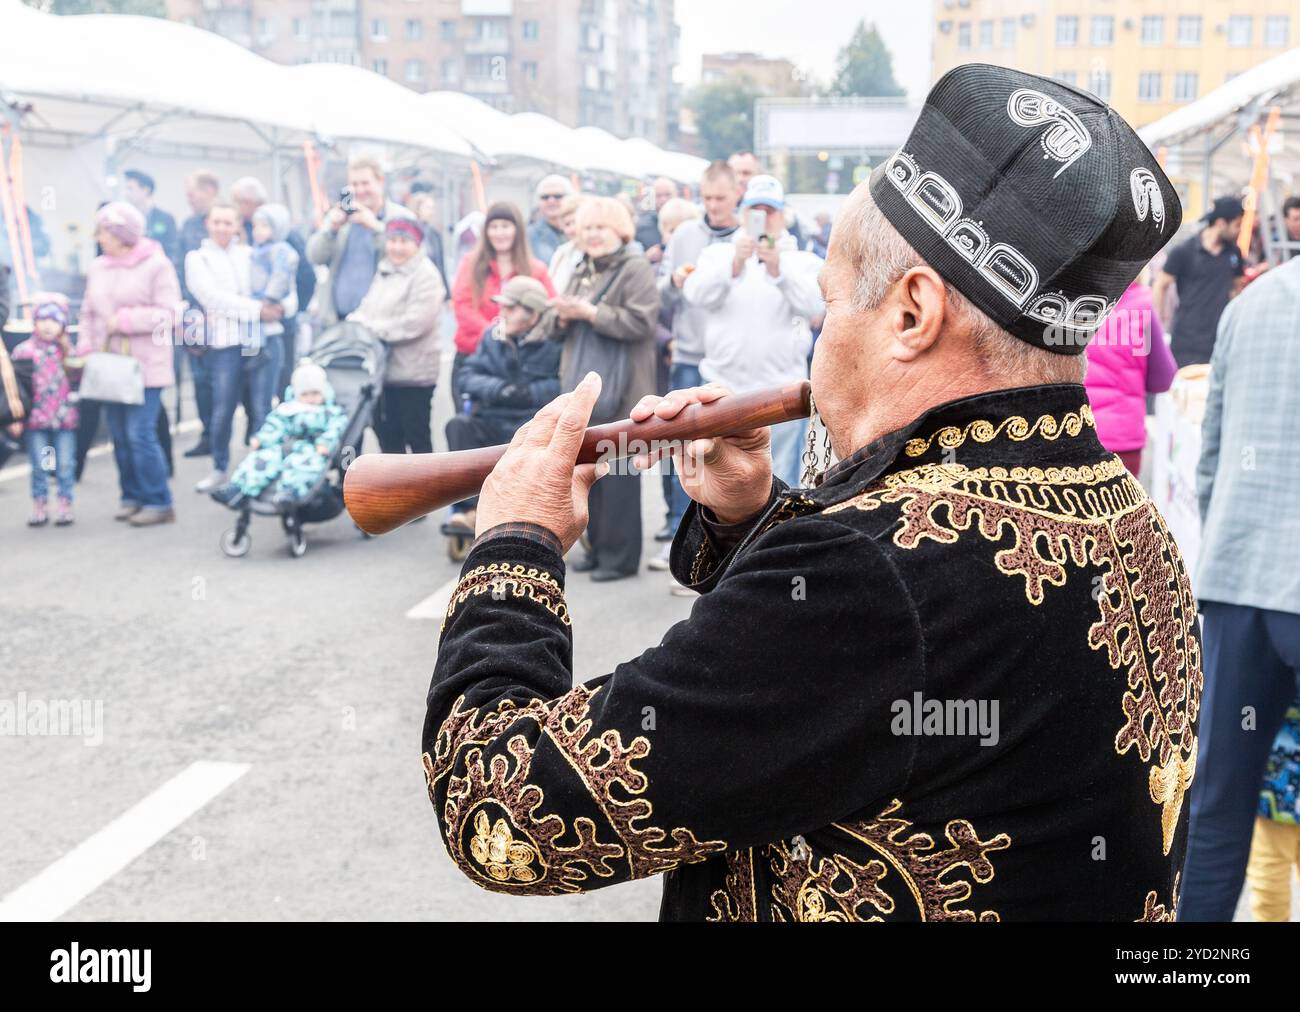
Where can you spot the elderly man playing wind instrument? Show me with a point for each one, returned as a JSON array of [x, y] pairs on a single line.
[[955, 679]]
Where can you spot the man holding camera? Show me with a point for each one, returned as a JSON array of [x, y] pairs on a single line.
[[759, 291], [351, 239]]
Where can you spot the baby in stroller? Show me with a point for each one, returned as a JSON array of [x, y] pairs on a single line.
[[293, 447]]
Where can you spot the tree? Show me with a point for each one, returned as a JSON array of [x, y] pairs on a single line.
[[864, 66], [724, 114], [148, 8]]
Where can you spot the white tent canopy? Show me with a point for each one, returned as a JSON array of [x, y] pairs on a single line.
[[96, 75], [1206, 142]]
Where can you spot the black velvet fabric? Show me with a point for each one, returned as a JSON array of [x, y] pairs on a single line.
[[778, 756]]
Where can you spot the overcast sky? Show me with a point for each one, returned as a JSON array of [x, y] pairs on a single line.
[[807, 32]]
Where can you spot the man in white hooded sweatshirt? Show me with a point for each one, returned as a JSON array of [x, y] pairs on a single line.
[[759, 291]]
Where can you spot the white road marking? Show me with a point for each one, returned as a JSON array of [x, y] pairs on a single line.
[[435, 605], [94, 861], [23, 470]]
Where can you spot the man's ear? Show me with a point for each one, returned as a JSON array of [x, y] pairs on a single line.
[[917, 313]]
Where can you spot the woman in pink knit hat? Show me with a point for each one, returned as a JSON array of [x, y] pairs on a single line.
[[131, 303]]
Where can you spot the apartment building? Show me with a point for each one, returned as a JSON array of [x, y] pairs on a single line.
[[1145, 58], [605, 63]]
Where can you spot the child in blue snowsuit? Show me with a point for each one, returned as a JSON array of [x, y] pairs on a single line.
[[294, 444]]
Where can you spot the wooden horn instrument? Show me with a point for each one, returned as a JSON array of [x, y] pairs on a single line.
[[383, 491]]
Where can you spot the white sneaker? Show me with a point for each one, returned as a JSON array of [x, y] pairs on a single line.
[[215, 480], [679, 590], [659, 563]]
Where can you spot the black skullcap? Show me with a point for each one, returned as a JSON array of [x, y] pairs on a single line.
[[1034, 199]]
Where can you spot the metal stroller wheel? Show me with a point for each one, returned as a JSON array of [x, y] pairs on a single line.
[[235, 543], [297, 543], [458, 547]]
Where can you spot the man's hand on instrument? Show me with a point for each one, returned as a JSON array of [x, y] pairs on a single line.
[[538, 480], [731, 475]]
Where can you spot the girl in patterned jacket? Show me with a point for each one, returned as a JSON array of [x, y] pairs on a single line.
[[294, 445], [50, 431]]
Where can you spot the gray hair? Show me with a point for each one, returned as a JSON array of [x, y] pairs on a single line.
[[249, 187], [882, 256], [554, 179]]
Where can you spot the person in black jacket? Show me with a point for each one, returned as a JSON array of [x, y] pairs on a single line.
[[507, 379], [957, 677]]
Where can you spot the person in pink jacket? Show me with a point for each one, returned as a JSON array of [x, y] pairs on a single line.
[[131, 303], [1128, 359], [501, 253]]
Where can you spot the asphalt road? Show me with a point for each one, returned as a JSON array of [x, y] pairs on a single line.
[[252, 744], [307, 672]]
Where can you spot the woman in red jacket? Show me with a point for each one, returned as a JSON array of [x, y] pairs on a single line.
[[501, 253]]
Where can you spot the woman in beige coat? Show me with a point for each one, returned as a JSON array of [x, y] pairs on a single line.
[[402, 309], [606, 319]]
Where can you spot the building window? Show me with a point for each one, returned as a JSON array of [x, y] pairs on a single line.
[[378, 29], [986, 35], [1008, 33], [450, 71], [531, 31], [530, 69], [1066, 77], [380, 67], [1153, 30], [1067, 31], [1239, 26], [1189, 30], [1099, 84], [963, 35], [1185, 86], [1276, 31], [414, 71], [414, 29], [299, 28], [1149, 86], [447, 29], [1103, 30]]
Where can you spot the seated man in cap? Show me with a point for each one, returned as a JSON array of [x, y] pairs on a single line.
[[512, 374], [958, 678]]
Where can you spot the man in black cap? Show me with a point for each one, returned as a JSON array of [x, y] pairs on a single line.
[[1205, 269], [955, 679]]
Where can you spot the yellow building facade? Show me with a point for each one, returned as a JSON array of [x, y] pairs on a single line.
[[1145, 58]]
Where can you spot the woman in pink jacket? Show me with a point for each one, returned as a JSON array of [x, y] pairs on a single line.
[[1128, 359], [131, 302]]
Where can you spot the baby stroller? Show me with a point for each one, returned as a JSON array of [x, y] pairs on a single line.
[[354, 363]]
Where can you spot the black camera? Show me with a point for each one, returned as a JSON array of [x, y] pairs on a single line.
[[347, 201]]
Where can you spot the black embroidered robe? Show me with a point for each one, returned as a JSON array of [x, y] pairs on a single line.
[[957, 680]]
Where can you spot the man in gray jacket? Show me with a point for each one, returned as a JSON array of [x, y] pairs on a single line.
[[351, 240], [1248, 580], [718, 195]]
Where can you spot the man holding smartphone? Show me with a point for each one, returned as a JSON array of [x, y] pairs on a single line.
[[759, 292]]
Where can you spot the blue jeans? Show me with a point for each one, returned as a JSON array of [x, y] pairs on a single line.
[[1251, 659], [141, 466], [202, 373], [263, 380], [226, 366], [62, 444], [680, 377], [788, 442]]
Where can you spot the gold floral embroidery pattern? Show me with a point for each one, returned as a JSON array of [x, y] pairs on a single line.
[[1017, 428], [521, 581], [1146, 603], [938, 882], [737, 901], [607, 770], [495, 848], [1155, 912]]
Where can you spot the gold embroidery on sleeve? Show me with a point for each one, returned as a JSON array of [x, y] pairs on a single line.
[[520, 581], [1017, 428]]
